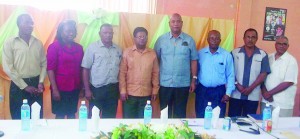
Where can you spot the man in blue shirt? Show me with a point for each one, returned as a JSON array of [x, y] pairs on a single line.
[[216, 76], [178, 57]]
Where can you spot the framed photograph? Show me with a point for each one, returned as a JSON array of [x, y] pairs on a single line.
[[275, 21]]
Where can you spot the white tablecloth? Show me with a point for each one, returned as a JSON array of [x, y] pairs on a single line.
[[68, 129]]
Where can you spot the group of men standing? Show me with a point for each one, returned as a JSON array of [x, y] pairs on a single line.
[[169, 72]]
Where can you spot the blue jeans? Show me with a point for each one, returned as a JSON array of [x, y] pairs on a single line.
[[209, 94]]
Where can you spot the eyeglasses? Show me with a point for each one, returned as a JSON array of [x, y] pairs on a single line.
[[282, 44]]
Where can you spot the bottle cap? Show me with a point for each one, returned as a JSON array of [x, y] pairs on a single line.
[[208, 103], [148, 101], [82, 102], [25, 101]]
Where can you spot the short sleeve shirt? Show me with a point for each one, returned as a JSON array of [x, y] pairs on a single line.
[[175, 55], [103, 63], [247, 70], [284, 69]]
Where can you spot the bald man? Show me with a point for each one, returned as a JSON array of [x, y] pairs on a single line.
[[216, 76], [178, 57]]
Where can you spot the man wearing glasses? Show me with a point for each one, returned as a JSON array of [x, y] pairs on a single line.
[[139, 75], [280, 87]]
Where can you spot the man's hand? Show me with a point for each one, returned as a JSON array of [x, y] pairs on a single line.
[[56, 95], [81, 93], [193, 86], [270, 99], [153, 97], [30, 89], [124, 97], [240, 88], [247, 91], [88, 94], [225, 99], [41, 88], [267, 96]]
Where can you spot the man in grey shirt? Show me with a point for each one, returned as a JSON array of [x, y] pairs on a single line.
[[100, 72]]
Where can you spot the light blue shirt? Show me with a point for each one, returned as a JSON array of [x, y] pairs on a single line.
[[216, 69], [175, 55]]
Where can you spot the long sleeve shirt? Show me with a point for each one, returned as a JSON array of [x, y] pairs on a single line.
[[65, 62], [139, 72], [20, 60], [216, 69]]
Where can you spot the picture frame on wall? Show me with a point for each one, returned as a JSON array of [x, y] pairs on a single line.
[[275, 23]]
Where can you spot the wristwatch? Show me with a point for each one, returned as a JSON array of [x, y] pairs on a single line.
[[195, 77]]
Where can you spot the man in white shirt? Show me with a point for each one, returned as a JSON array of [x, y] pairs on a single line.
[[280, 87]]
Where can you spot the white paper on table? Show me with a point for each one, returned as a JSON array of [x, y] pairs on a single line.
[[164, 115], [95, 118], [275, 117], [35, 111], [215, 116]]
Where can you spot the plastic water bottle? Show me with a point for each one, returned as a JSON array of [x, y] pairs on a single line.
[[208, 116], [267, 118], [82, 117], [147, 112], [25, 116]]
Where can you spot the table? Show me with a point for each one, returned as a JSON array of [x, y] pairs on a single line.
[[68, 129]]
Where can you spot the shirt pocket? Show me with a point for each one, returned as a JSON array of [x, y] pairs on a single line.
[[117, 59], [182, 50], [220, 67], [98, 59]]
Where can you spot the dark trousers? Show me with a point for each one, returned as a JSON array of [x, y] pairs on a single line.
[[239, 107], [176, 100], [134, 106], [209, 94], [17, 95], [106, 99]]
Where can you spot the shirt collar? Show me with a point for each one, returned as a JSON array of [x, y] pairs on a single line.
[[171, 36], [32, 38], [206, 50], [18, 36], [284, 56], [102, 45], [135, 49], [256, 50]]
